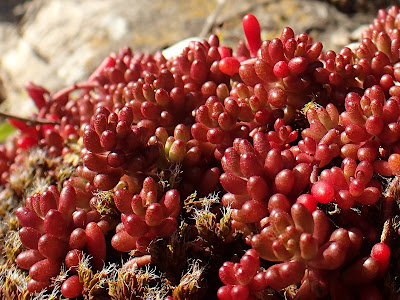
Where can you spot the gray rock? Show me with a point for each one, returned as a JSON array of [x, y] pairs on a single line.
[[61, 42]]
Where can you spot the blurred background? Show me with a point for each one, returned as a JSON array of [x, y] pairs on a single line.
[[55, 43]]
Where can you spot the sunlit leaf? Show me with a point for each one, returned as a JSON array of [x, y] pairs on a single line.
[[5, 130]]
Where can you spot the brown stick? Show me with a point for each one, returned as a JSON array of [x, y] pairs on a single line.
[[29, 122]]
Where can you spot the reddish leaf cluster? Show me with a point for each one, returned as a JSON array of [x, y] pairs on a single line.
[[295, 141]]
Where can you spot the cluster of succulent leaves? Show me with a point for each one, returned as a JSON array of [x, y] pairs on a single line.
[[267, 172]]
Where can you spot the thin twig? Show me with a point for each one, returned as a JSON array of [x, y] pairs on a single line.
[[27, 121], [211, 19]]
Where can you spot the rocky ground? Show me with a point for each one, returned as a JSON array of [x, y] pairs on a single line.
[[56, 43]]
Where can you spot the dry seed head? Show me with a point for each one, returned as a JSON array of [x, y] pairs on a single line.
[[9, 202], [158, 292], [38, 158], [12, 245], [163, 183], [13, 282], [104, 203], [205, 221], [131, 282], [106, 273], [57, 283], [38, 185], [43, 295], [20, 178], [148, 273], [192, 203], [84, 269], [396, 222], [95, 283], [64, 172], [191, 282], [168, 179], [205, 216], [393, 188], [34, 174], [211, 199], [194, 272], [311, 104], [73, 158], [176, 171], [225, 222]]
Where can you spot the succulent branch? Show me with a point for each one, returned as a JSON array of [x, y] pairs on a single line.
[[254, 173]]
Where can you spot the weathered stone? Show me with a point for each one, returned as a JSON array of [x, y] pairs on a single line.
[[64, 41], [60, 42]]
